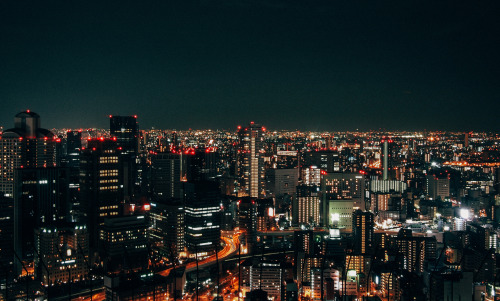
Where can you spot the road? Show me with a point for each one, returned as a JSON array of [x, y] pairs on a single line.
[[231, 243], [231, 246]]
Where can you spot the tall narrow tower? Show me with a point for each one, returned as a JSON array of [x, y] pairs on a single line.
[[250, 164]]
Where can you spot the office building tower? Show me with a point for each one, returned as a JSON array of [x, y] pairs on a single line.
[[167, 226], [340, 188], [311, 175], [123, 243], [339, 214], [247, 218], [250, 161], [326, 160], [166, 175], [286, 159], [73, 147], [6, 234], [388, 186], [282, 181], [414, 250], [202, 206], [125, 130], [362, 230], [26, 145], [306, 206], [201, 164], [265, 215], [101, 184], [388, 157], [308, 247], [438, 186], [267, 276], [41, 197], [63, 253]]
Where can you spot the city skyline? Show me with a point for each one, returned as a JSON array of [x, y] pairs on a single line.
[[318, 66]]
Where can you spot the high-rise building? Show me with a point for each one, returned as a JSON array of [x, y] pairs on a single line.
[[326, 160], [6, 234], [341, 188], [125, 130], [26, 145], [202, 206], [362, 230], [101, 184], [267, 276], [306, 206], [247, 218], [64, 253], [201, 164], [282, 181], [250, 161], [438, 185], [123, 243], [388, 158], [73, 148], [167, 227], [41, 197], [166, 175]]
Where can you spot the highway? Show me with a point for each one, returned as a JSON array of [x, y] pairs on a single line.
[[231, 241]]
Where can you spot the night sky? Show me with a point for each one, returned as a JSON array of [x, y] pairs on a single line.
[[288, 64]]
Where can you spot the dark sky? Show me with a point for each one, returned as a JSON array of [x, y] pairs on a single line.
[[310, 64]]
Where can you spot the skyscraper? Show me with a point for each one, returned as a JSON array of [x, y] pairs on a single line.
[[26, 145], [438, 186], [306, 206], [341, 188], [41, 197], [202, 201], [387, 158], [250, 161], [125, 130], [167, 228], [6, 233], [101, 184], [166, 175], [67, 240], [362, 230]]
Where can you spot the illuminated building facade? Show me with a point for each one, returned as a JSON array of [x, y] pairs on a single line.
[[166, 175], [337, 189], [202, 206], [306, 206], [340, 214], [26, 145], [250, 161], [167, 225], [362, 230], [326, 160], [123, 243], [201, 165], [101, 184], [64, 253], [267, 276], [438, 185], [41, 197], [125, 130]]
